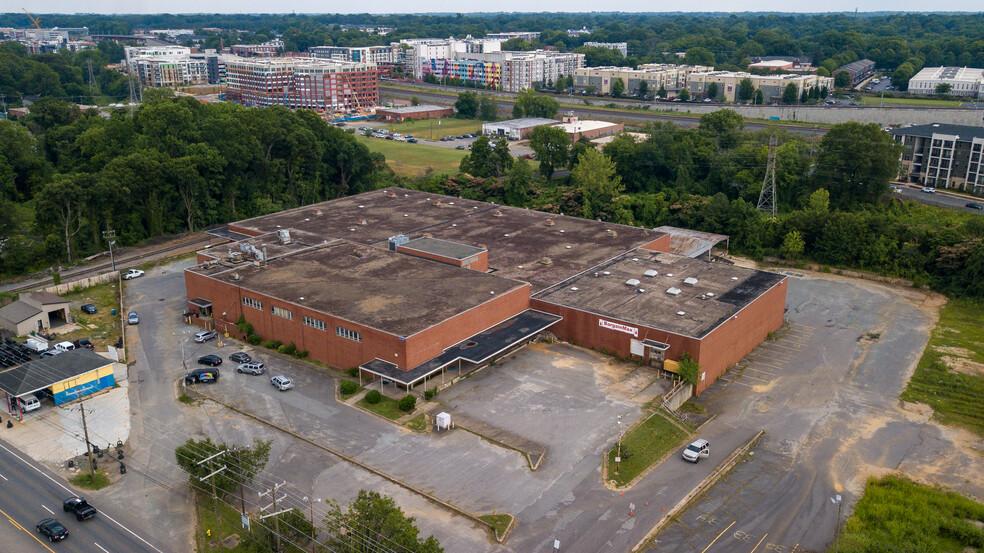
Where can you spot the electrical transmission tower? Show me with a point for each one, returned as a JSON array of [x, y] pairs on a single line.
[[92, 81], [767, 198], [133, 95]]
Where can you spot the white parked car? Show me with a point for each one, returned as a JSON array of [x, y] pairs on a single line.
[[132, 273], [699, 448], [282, 383], [929, 190]]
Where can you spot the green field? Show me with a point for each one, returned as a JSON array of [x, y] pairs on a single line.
[[417, 424], [910, 101], [642, 446], [957, 342], [433, 129], [896, 514], [412, 160], [387, 407]]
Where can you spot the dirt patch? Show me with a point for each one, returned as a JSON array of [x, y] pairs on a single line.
[[916, 412], [962, 365], [869, 337], [962, 352]]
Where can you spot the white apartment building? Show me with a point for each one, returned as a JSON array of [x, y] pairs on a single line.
[[668, 76], [772, 85], [419, 50], [622, 47], [166, 66], [525, 35], [370, 54], [965, 81], [519, 70]]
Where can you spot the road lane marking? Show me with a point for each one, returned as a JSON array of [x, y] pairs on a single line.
[[25, 530], [62, 486], [104, 549], [47, 509], [719, 536], [753, 549], [4, 478]]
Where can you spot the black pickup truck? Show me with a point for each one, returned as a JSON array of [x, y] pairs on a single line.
[[80, 507]]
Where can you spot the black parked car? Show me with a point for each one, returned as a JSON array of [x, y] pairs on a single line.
[[89, 308], [975, 205], [52, 529], [210, 360], [202, 375], [240, 357]]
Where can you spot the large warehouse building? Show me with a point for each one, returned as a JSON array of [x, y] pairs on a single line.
[[408, 284]]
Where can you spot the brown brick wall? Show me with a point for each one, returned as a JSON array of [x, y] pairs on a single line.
[[478, 262]]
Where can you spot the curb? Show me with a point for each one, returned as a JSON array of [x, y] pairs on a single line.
[[604, 465], [700, 488], [529, 460]]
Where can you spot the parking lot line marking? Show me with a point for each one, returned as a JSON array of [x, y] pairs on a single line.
[[104, 549], [47, 509], [777, 367], [742, 383], [754, 378], [778, 345], [719, 536], [769, 349], [758, 544], [4, 478], [794, 323], [778, 360], [760, 371]]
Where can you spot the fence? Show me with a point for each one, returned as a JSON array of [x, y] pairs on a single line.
[[66, 287]]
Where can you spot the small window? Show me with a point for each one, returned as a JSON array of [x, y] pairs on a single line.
[[314, 323], [252, 303], [350, 334], [281, 312]]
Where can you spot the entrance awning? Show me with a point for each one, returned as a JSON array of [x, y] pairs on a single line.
[[477, 349], [200, 302]]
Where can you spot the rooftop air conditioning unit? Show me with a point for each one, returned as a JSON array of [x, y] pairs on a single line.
[[283, 236], [690, 281], [673, 291], [651, 273], [632, 282]]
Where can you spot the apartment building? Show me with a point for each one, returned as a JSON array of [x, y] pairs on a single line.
[[368, 54], [156, 66], [671, 77], [478, 73], [416, 53], [858, 70], [943, 156], [963, 81], [307, 83], [525, 35], [772, 85], [267, 49], [519, 70], [622, 47]]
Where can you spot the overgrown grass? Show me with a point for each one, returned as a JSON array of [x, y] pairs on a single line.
[[956, 397], [95, 481], [642, 446], [417, 424], [691, 407], [102, 327], [415, 159], [910, 101], [386, 407], [896, 514], [431, 130], [185, 398], [500, 523], [229, 522]]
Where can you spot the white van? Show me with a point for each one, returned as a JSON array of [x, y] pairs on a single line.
[[65, 346], [29, 403], [36, 344]]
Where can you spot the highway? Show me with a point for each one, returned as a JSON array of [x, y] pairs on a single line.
[[940, 198], [29, 493], [586, 111]]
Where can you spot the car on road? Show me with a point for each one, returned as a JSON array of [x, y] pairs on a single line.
[[89, 309], [132, 273], [202, 375], [411, 140], [459, 147], [210, 360], [205, 336], [527, 156], [251, 367], [929, 190], [240, 357], [896, 188], [282, 383], [133, 318], [52, 529], [80, 507], [974, 205], [699, 448]]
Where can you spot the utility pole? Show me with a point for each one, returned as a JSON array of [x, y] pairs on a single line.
[[275, 513], [110, 235], [92, 80], [211, 478], [88, 446], [767, 198], [3, 100], [133, 95], [312, 501]]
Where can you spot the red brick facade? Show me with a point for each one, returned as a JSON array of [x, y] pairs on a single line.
[[478, 262]]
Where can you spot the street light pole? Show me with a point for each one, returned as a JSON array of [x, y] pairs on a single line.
[[110, 235], [618, 452], [837, 499]]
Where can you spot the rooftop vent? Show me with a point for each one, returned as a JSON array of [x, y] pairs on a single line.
[[567, 247], [362, 207], [734, 278], [283, 236], [550, 222], [390, 193], [545, 261], [235, 276], [450, 203], [236, 257], [506, 235], [318, 213], [640, 290], [669, 274], [561, 230], [632, 282], [574, 288], [673, 291], [637, 259], [612, 233], [437, 202], [306, 219], [406, 214], [606, 273], [709, 294], [651, 273], [497, 213], [361, 254], [681, 313], [596, 275], [690, 281], [363, 222]]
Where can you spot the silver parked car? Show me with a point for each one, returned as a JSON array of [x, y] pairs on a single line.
[[282, 383], [252, 367], [205, 336], [132, 318]]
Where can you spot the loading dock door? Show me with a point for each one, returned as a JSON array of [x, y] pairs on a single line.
[[655, 352]]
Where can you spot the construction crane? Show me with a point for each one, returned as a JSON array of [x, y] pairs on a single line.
[[37, 22]]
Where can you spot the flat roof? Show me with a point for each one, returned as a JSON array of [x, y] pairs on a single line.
[[523, 123], [44, 372], [965, 133], [392, 292], [582, 126], [608, 295], [412, 109], [691, 243], [443, 248]]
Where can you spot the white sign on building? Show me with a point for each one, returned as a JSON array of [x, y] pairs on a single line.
[[619, 327]]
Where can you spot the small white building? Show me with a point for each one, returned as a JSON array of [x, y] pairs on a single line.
[[965, 81]]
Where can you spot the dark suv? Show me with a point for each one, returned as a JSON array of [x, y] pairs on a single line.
[[202, 375]]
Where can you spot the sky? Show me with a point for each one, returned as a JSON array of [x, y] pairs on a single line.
[[452, 6]]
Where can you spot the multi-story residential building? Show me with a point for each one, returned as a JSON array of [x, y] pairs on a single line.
[[944, 156], [525, 35], [519, 70], [307, 83], [963, 81], [479, 73], [858, 70], [166, 66], [622, 47], [368, 54], [772, 85], [267, 49], [670, 77], [415, 53], [579, 32]]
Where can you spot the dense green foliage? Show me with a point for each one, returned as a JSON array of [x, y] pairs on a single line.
[[248, 461], [178, 165], [371, 518], [407, 403], [63, 75], [896, 514]]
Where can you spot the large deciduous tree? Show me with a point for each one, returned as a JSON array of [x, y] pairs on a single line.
[[600, 186], [551, 145], [856, 163], [248, 461], [372, 519]]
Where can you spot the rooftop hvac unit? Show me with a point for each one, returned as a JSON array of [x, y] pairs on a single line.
[[283, 236], [690, 281], [673, 291], [681, 313], [236, 257], [651, 273], [396, 241], [632, 282]]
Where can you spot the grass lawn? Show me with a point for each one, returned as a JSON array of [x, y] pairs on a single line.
[[417, 423], [422, 128], [957, 342], [229, 523], [412, 160], [96, 481], [387, 407], [643, 446], [896, 514], [102, 327], [499, 522], [910, 101]]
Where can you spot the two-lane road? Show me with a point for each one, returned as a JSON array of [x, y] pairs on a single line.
[[29, 493]]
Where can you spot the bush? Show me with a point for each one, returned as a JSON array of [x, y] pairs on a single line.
[[301, 354], [348, 387], [373, 397], [408, 403], [429, 394], [287, 349], [254, 339], [689, 369], [272, 344], [353, 372]]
